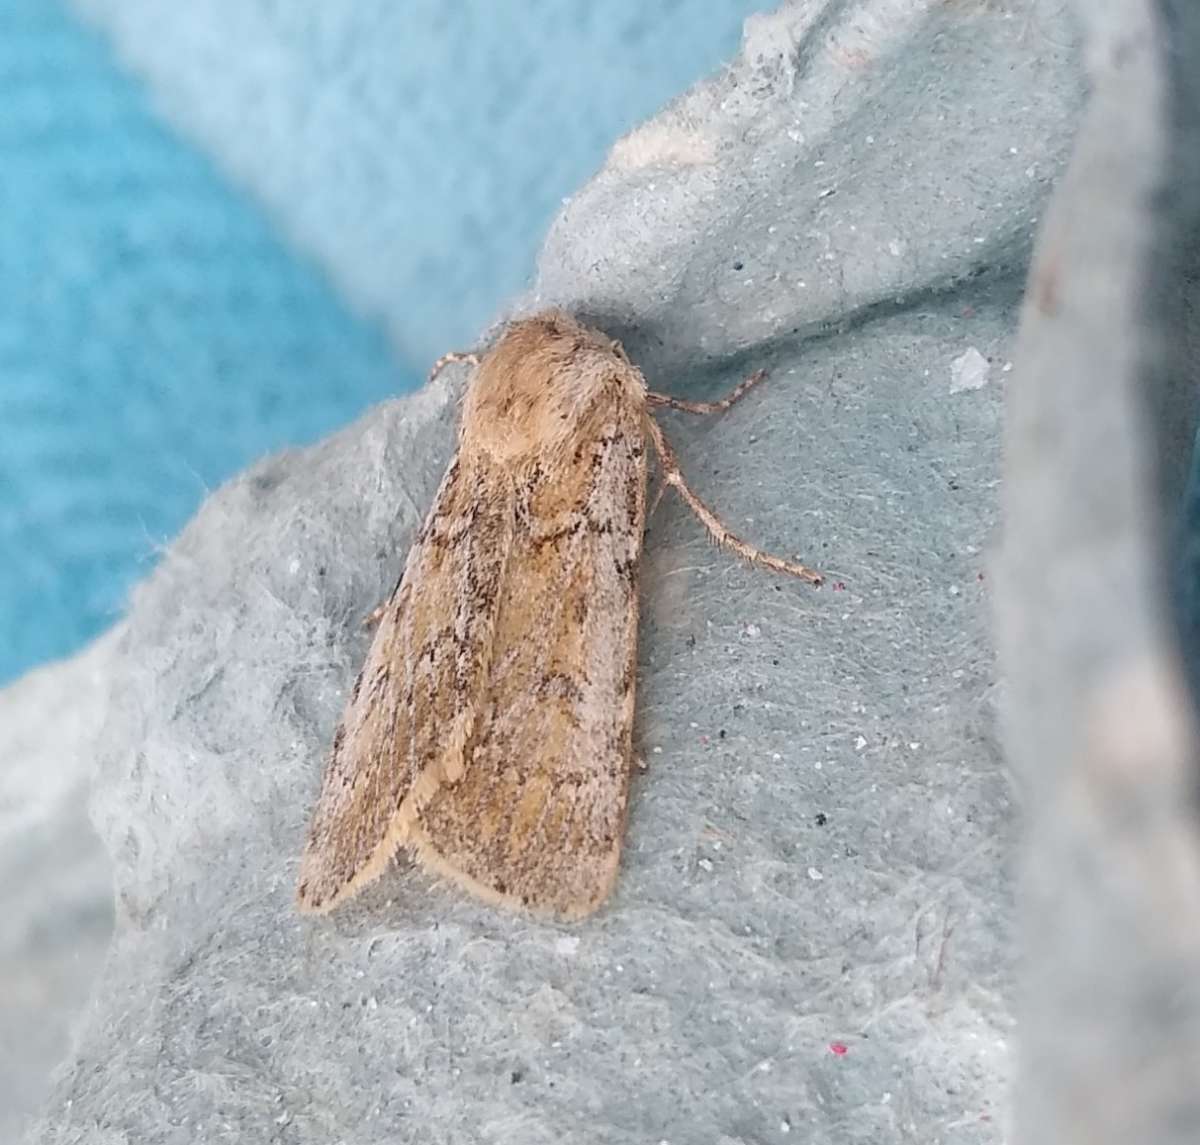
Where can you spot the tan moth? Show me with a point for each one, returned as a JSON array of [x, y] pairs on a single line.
[[490, 730]]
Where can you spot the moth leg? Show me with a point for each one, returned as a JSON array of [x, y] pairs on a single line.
[[375, 615], [720, 406], [715, 526], [448, 359], [658, 496]]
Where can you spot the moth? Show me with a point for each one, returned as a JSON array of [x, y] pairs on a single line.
[[490, 731]]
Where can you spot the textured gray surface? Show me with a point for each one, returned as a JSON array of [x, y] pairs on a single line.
[[57, 881], [1102, 420], [818, 858]]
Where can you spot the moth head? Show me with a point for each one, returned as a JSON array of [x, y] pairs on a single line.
[[539, 388]]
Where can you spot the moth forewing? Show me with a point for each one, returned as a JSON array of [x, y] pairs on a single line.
[[410, 711]]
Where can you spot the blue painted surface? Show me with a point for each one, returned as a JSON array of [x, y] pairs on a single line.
[[155, 336]]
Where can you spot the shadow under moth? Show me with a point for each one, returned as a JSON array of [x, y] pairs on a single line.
[[490, 731]]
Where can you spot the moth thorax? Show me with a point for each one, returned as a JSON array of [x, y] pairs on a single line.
[[524, 412]]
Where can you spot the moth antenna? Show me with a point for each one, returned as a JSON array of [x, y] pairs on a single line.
[[717, 529], [719, 406]]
